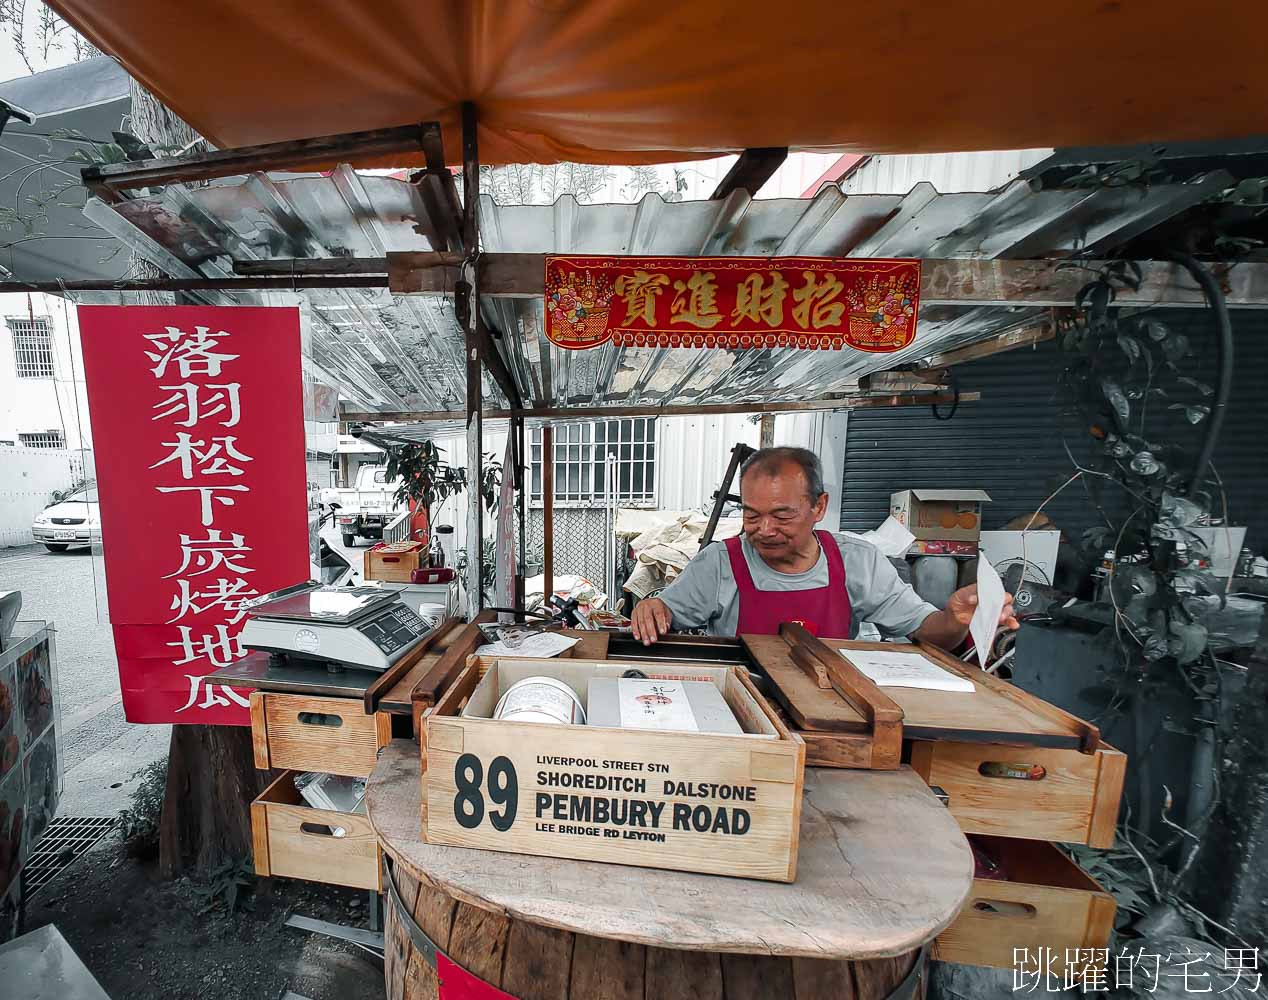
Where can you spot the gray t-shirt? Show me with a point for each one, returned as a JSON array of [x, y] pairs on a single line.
[[705, 594]]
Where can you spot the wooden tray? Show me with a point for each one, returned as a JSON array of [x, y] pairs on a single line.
[[862, 725], [834, 718]]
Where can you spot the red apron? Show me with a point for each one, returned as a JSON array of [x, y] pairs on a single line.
[[823, 611]]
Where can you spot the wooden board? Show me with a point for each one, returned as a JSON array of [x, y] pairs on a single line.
[[397, 698], [691, 801], [392, 676], [807, 704], [882, 869], [1047, 903]]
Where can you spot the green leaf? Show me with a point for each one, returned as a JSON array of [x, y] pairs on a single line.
[[1130, 346], [1188, 641], [1117, 399], [1175, 347], [1179, 511], [1201, 387], [1158, 332]]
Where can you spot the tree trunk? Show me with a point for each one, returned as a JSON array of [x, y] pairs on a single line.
[[211, 775], [211, 780]]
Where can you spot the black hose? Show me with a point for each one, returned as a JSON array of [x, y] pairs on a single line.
[[1202, 275]]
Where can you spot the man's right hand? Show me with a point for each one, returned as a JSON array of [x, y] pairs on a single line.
[[652, 619]]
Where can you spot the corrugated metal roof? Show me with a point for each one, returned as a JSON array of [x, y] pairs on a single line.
[[398, 353]]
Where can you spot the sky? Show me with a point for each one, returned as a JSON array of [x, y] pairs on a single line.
[[11, 64]]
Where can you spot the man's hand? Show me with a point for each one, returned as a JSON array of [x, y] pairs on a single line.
[[652, 619], [949, 627], [964, 602]]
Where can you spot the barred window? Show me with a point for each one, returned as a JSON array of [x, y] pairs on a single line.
[[582, 452], [32, 347], [46, 439]]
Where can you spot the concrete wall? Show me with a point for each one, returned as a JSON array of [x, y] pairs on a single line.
[[36, 405], [27, 477]]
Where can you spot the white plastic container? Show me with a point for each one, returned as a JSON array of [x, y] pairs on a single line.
[[540, 699]]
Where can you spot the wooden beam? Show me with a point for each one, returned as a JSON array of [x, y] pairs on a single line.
[[294, 154], [286, 266], [548, 512], [904, 381], [1026, 336], [497, 366], [468, 301], [955, 282], [583, 412], [433, 147], [753, 169], [245, 284], [514, 275], [766, 439]]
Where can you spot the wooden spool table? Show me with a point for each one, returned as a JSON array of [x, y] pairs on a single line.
[[883, 868]]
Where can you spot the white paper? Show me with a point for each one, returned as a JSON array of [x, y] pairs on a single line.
[[990, 605], [539, 645], [891, 538], [648, 704], [909, 670]]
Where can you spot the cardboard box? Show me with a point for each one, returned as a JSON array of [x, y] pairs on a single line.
[[948, 515], [701, 802]]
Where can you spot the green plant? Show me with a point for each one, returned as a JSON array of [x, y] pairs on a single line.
[[425, 478], [1129, 382], [139, 824], [488, 567], [223, 888]]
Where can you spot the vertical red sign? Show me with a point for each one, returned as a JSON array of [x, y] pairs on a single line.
[[198, 431]]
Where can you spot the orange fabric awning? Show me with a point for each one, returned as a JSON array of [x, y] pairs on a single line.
[[626, 81]]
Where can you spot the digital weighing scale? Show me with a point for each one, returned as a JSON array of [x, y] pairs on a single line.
[[363, 627]]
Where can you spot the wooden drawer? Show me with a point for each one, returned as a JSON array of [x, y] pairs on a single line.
[[1030, 792], [297, 841], [331, 735], [1048, 902]]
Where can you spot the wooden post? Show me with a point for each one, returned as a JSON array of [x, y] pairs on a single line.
[[522, 479], [548, 503], [468, 305], [768, 431]]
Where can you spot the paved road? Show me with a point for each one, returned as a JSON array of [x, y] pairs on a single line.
[[101, 751]]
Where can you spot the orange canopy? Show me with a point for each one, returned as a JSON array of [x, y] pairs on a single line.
[[635, 81]]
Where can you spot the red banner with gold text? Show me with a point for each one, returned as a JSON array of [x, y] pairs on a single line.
[[814, 303], [198, 429]]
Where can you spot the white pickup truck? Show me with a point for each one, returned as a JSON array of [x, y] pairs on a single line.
[[367, 507]]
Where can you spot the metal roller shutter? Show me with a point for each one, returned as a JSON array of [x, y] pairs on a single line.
[[1010, 443]]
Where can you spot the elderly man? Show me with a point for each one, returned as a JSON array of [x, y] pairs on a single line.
[[781, 569]]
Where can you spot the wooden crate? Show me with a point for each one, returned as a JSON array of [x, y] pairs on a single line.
[[726, 805], [297, 841], [1048, 902], [394, 562], [333, 735], [1035, 793]]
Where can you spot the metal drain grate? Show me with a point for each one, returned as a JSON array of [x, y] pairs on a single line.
[[66, 839]]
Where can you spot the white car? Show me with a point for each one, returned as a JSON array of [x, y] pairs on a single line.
[[73, 521]]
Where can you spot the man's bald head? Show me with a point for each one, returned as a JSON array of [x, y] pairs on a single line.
[[778, 462]]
